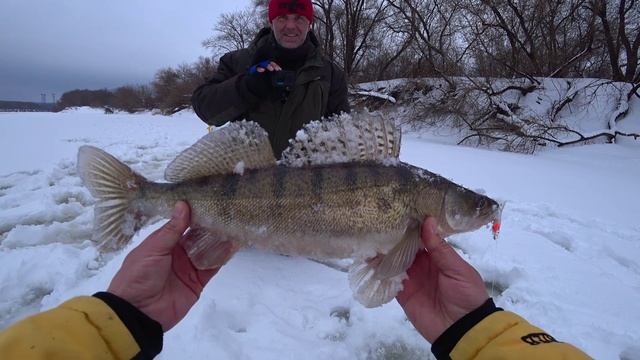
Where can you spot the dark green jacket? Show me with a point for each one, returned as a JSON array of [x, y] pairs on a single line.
[[320, 90]]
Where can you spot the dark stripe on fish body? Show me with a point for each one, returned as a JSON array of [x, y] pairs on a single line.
[[249, 181], [317, 181], [279, 181], [230, 185], [374, 174], [351, 176], [229, 190], [404, 176], [279, 178]]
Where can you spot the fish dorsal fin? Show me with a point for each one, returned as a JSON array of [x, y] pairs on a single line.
[[345, 138], [232, 148]]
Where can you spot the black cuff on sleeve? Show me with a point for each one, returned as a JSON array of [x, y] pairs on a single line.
[[445, 343], [146, 331]]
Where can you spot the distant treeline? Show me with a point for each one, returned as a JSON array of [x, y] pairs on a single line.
[[389, 39], [170, 91], [24, 106]]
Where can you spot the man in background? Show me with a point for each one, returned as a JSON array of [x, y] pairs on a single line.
[[281, 81]]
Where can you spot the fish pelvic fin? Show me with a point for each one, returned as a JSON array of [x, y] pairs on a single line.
[[208, 249], [345, 138], [114, 185], [229, 149], [377, 281]]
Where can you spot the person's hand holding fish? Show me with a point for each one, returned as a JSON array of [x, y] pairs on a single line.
[[441, 288], [158, 278]]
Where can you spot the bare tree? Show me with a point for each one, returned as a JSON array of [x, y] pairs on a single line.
[[234, 31], [530, 38], [499, 118], [92, 98], [346, 29], [262, 7], [133, 98], [324, 25], [173, 87], [434, 28], [620, 22], [361, 18], [393, 57]]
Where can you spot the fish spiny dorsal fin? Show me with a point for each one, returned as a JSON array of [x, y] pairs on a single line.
[[345, 138], [232, 148]]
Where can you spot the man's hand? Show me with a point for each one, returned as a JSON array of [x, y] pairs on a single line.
[[441, 287], [263, 66], [258, 78], [158, 278]]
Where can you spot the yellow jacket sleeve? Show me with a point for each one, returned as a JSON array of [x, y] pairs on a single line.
[[490, 333], [505, 335], [82, 328]]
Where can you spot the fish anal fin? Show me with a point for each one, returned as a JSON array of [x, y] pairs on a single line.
[[208, 249], [377, 281], [235, 147]]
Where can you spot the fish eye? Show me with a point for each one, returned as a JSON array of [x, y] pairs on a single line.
[[481, 203]]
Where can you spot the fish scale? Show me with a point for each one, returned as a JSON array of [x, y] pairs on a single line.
[[258, 194]]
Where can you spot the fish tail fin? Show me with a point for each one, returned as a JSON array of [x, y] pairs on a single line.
[[377, 281], [114, 185]]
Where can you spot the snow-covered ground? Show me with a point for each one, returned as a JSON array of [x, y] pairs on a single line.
[[568, 258]]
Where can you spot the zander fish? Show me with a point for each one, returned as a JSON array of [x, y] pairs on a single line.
[[338, 192]]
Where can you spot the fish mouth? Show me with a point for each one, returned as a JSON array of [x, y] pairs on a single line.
[[496, 221]]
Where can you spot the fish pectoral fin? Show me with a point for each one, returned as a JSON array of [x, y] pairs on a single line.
[[377, 281], [367, 289], [233, 148], [208, 249], [401, 256]]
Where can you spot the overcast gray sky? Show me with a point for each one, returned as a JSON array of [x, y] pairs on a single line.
[[51, 46]]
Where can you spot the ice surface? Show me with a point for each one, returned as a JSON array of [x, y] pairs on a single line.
[[567, 258]]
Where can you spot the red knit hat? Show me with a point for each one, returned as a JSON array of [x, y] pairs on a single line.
[[284, 7]]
